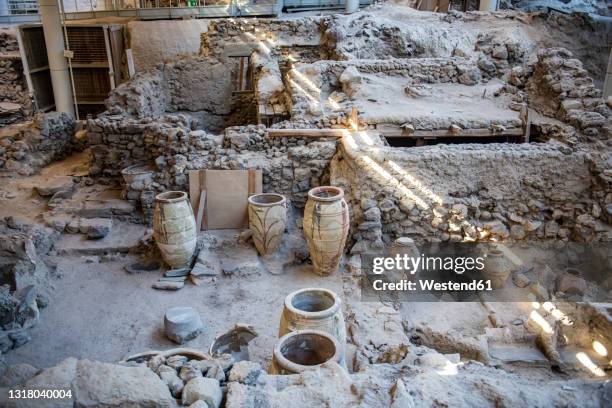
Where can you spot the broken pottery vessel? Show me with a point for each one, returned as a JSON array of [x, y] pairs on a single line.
[[182, 324], [174, 228], [234, 342], [326, 225], [497, 268], [141, 173], [314, 309], [303, 350], [267, 219]]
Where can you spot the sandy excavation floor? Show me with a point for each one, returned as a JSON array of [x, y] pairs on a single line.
[[383, 99], [99, 311]]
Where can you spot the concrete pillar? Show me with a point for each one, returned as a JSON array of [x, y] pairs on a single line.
[[351, 6], [488, 5], [54, 40], [607, 90], [4, 10]]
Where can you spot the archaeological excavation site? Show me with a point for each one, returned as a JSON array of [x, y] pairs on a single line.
[[322, 203]]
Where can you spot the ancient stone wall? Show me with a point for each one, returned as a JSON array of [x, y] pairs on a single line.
[[472, 192], [15, 102], [201, 87], [225, 35], [290, 166], [557, 85], [26, 147], [24, 278]]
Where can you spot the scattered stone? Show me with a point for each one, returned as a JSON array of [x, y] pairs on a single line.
[[246, 372], [14, 222], [175, 384], [168, 285], [17, 374], [190, 371], [216, 372], [176, 361], [205, 389], [55, 185], [182, 324], [520, 280], [143, 266], [99, 384]]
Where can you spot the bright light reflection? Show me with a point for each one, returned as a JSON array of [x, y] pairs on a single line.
[[600, 348], [350, 140], [365, 138], [449, 369], [302, 90], [385, 174], [305, 80], [536, 317], [557, 314], [590, 365], [416, 183], [333, 103]]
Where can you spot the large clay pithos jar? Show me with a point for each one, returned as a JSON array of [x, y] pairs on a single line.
[[267, 219], [326, 225], [316, 309], [303, 350], [174, 228], [496, 268]]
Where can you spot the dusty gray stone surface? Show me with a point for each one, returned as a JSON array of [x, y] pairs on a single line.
[[204, 389], [182, 324]]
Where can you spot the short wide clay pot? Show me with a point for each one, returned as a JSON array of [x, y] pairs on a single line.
[[326, 226], [267, 219], [304, 350], [174, 228], [314, 309]]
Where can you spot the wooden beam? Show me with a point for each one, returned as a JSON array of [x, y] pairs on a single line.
[[306, 132], [464, 133]]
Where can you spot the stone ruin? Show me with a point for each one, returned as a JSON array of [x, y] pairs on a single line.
[[437, 128]]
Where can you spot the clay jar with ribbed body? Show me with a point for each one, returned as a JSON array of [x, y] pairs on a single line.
[[326, 226], [314, 309], [267, 219], [174, 228], [304, 350]]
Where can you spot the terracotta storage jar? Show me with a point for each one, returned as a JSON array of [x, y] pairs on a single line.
[[496, 268], [303, 350], [267, 219], [174, 228], [326, 226], [316, 309]]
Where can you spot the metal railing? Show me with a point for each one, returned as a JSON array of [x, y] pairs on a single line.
[[27, 11]]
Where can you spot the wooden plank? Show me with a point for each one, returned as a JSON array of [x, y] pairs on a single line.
[[240, 75], [306, 132], [200, 213], [204, 223], [527, 126], [464, 133], [226, 197], [194, 188]]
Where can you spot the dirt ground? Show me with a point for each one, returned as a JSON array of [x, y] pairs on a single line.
[[99, 311]]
